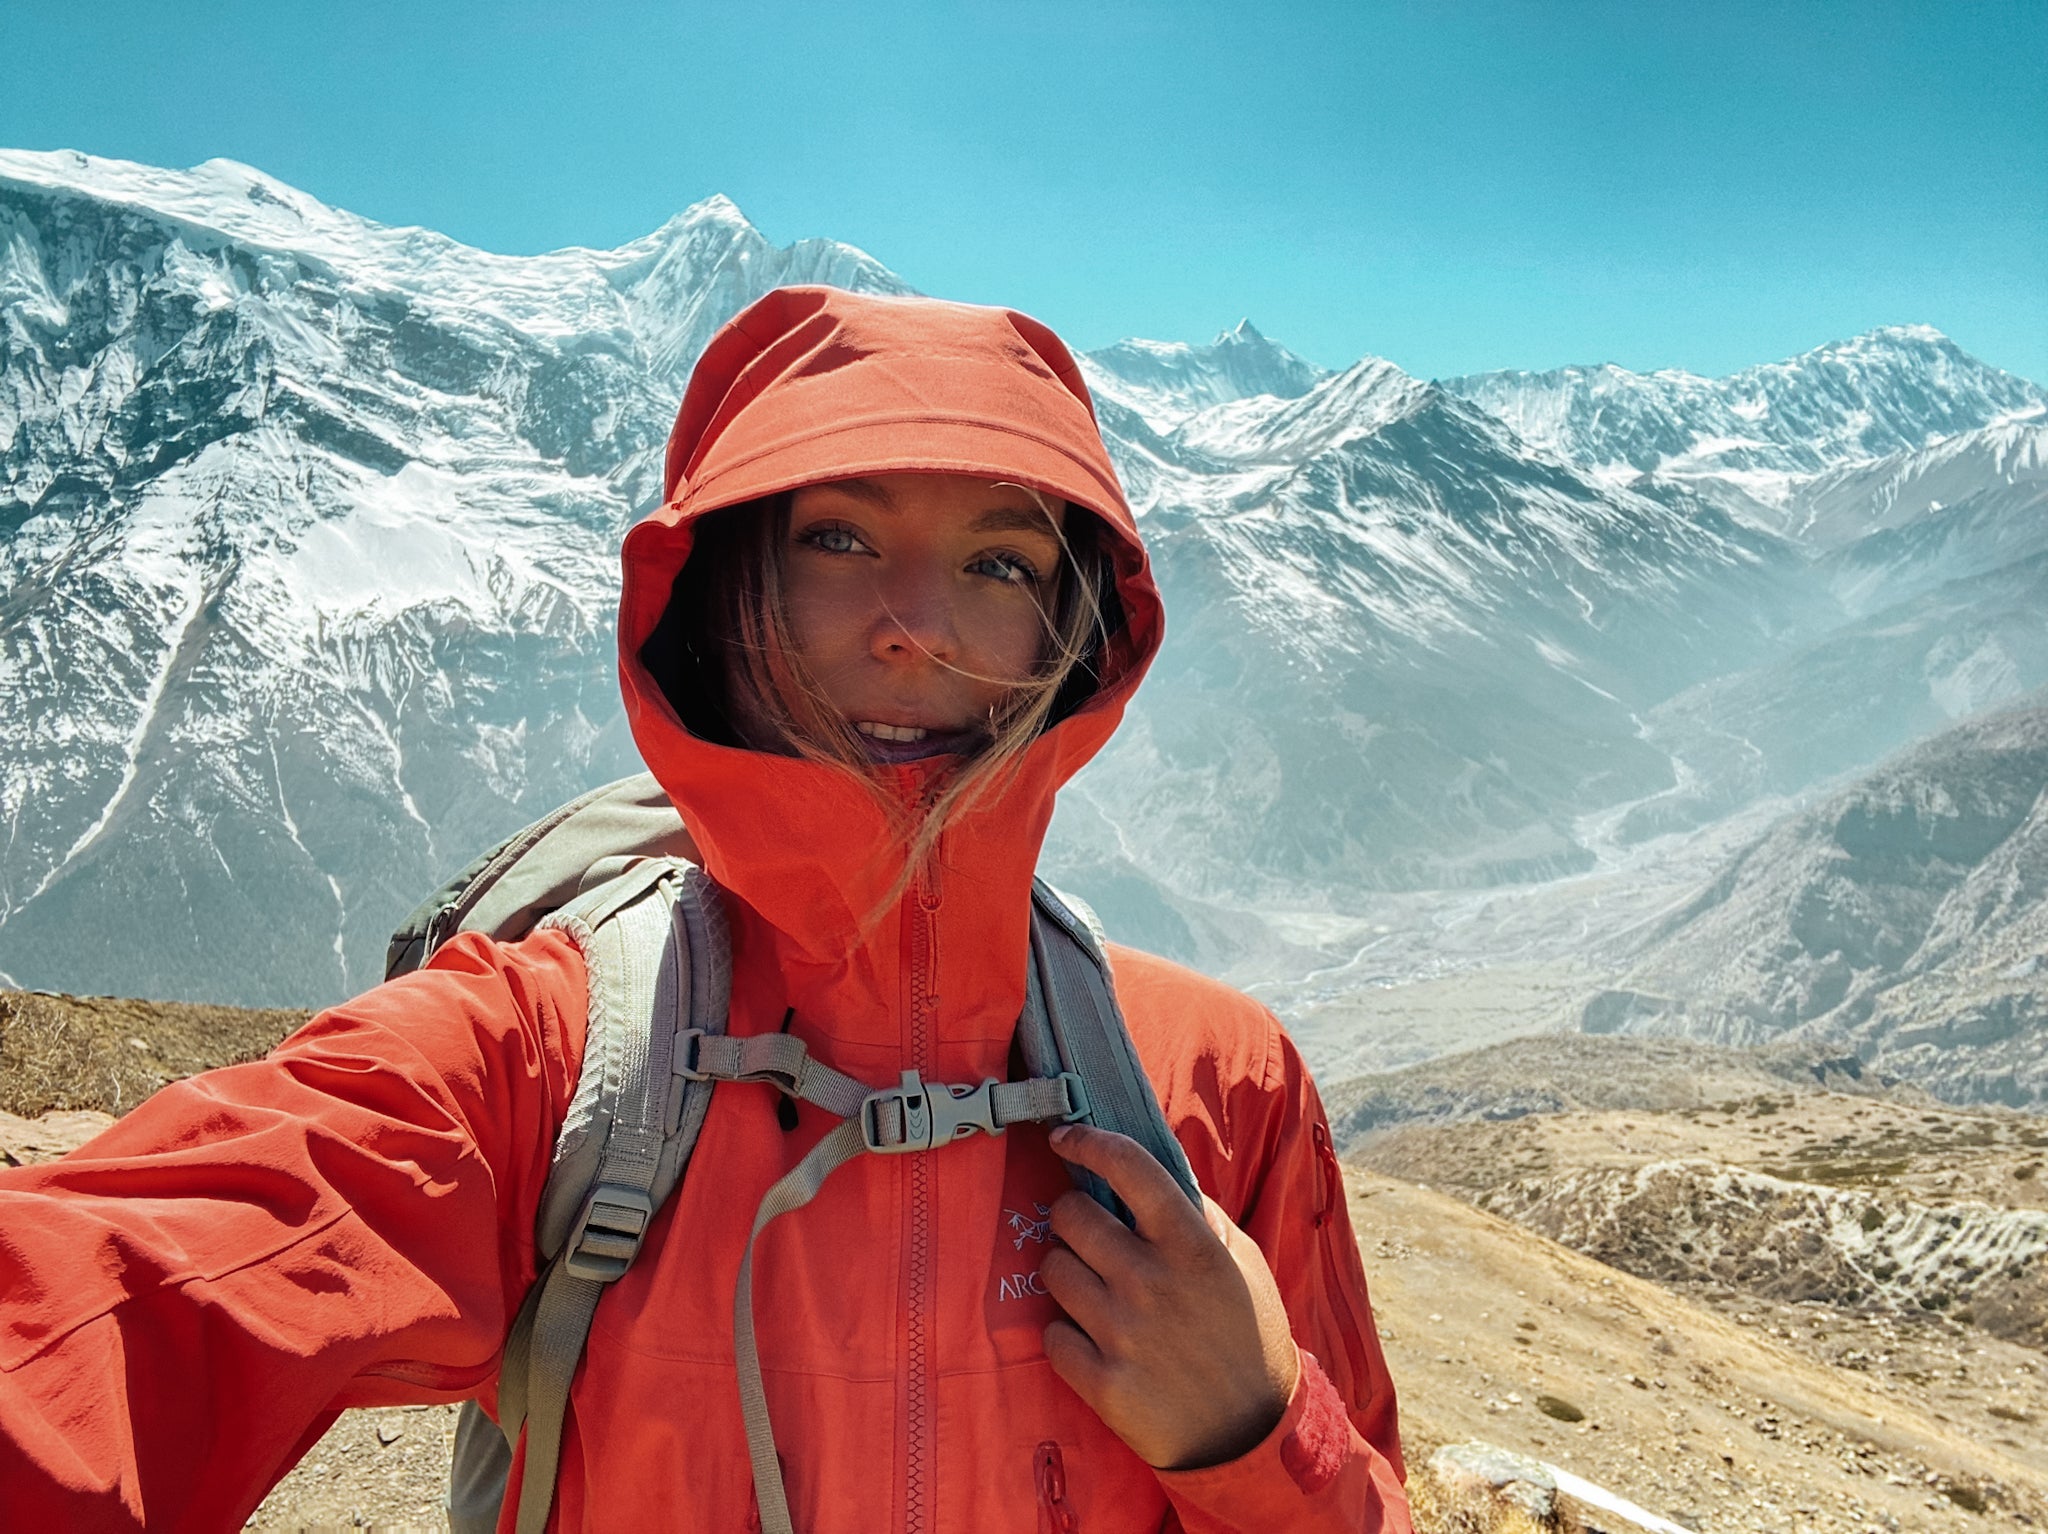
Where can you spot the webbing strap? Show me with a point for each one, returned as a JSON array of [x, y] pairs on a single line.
[[540, 1364], [796, 1188], [1071, 1022], [781, 1060], [908, 1117], [560, 1328]]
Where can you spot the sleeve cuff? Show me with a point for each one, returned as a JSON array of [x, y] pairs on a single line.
[[1287, 1472]]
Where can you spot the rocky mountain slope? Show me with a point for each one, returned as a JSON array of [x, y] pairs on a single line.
[[310, 539], [1588, 1073], [1753, 1174], [1904, 917], [307, 540]]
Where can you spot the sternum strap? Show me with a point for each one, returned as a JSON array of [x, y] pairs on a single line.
[[912, 1116]]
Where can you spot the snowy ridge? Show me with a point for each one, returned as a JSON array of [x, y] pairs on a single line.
[[1894, 389], [1853, 501], [308, 540]]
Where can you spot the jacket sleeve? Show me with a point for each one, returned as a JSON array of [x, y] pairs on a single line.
[[190, 1298], [1242, 1104]]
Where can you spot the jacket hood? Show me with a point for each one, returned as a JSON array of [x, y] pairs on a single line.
[[811, 384]]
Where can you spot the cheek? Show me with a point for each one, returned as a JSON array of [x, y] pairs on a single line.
[[1011, 637], [824, 624]]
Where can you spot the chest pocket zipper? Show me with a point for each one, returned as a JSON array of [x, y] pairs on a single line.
[[1055, 1513], [1331, 1199]]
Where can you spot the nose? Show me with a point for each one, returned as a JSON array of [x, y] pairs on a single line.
[[915, 620]]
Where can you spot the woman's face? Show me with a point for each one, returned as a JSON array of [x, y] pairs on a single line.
[[917, 601]]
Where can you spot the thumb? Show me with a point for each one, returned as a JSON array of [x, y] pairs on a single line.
[[1221, 1226]]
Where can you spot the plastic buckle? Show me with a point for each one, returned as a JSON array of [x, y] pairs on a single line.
[[607, 1234], [1078, 1106], [932, 1115], [684, 1061]]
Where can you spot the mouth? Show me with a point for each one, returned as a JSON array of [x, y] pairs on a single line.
[[910, 742], [902, 733]]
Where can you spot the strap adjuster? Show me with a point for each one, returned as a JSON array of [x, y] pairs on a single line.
[[684, 1062], [607, 1234], [1078, 1106], [927, 1115]]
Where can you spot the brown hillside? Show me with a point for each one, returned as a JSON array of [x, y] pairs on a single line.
[[106, 1054]]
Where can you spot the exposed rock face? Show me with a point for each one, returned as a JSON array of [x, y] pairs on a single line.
[[308, 541], [1696, 1221], [1905, 916]]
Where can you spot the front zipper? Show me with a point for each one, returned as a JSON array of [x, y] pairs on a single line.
[[1328, 1204], [920, 1449]]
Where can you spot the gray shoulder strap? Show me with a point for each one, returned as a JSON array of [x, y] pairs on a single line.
[[1071, 1022], [658, 956]]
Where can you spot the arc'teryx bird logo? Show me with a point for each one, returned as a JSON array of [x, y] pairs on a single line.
[[1024, 1228]]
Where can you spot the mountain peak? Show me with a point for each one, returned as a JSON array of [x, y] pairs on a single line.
[[1925, 334], [1881, 341], [1166, 382], [715, 209]]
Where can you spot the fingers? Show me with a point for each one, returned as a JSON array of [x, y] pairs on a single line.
[[1078, 1290], [1161, 1210], [1075, 1359], [1096, 1236]]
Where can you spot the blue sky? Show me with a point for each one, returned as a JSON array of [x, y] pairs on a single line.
[[1453, 186]]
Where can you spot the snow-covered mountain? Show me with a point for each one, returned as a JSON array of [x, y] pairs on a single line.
[[310, 551], [1165, 382], [1405, 652], [308, 531], [1764, 429]]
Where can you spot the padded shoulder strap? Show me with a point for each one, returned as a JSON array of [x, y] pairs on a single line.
[[1071, 1022], [658, 956]]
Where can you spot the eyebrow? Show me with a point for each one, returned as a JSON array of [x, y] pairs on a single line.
[[1000, 519], [1014, 519], [865, 490]]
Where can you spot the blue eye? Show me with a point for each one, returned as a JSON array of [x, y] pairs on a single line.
[[833, 539], [1011, 569]]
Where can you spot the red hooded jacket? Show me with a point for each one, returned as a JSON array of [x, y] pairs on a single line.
[[187, 1302]]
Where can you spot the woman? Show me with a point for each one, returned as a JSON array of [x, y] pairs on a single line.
[[916, 605]]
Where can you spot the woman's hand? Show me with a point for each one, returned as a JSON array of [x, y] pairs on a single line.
[[1176, 1335]]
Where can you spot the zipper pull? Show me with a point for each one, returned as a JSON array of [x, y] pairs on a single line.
[[1056, 1514]]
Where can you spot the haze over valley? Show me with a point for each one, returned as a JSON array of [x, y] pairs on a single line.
[[1473, 687]]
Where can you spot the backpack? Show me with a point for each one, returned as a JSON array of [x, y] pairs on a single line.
[[611, 870]]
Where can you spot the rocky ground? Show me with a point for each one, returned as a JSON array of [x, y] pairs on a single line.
[[1872, 1207], [1717, 1423], [1701, 1392]]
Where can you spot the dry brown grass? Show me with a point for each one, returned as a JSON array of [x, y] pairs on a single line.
[[65, 1052]]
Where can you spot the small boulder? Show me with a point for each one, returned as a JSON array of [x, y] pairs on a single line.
[[1514, 1478]]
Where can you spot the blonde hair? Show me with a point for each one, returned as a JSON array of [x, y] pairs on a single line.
[[751, 687]]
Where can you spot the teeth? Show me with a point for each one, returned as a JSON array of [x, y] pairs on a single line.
[[889, 731]]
